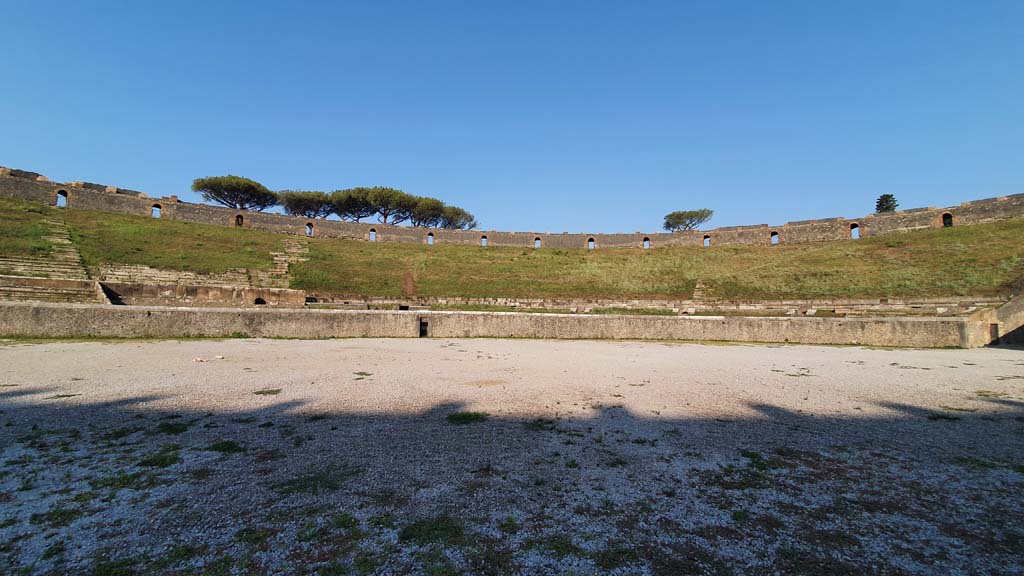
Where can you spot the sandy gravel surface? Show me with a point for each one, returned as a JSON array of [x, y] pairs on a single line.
[[339, 457]]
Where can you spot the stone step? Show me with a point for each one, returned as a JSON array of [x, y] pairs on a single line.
[[45, 289], [42, 267], [25, 259], [64, 261], [47, 298], [34, 273], [40, 262], [146, 275], [21, 293], [700, 292], [43, 272], [295, 250]]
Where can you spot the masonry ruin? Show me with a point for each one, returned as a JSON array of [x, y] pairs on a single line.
[[89, 196], [61, 280]]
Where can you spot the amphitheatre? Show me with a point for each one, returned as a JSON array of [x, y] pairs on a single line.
[[190, 389], [911, 278]]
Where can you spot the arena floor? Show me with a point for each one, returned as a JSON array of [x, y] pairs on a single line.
[[507, 457]]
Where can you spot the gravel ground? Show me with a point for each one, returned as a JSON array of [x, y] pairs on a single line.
[[508, 457]]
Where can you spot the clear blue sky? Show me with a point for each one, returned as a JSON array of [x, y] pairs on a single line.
[[546, 116]]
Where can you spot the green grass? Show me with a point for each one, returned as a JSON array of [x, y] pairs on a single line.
[[327, 480], [166, 456], [466, 417], [53, 550], [56, 517], [22, 232], [173, 427], [105, 238], [176, 555], [226, 447], [979, 260], [968, 260], [122, 567], [120, 433], [558, 545], [255, 536], [133, 481]]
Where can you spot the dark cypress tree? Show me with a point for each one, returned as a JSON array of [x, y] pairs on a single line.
[[886, 203]]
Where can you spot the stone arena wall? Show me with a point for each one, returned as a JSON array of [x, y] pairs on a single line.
[[88, 196], [193, 295], [22, 319], [1010, 317], [950, 305]]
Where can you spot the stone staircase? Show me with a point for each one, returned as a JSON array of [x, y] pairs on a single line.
[[295, 250], [133, 274], [84, 294], [64, 261], [58, 277], [701, 292]]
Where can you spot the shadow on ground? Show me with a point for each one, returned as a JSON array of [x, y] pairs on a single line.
[[118, 489]]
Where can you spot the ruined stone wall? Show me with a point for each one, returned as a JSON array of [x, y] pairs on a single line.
[[1011, 321], [198, 295], [84, 320], [89, 196]]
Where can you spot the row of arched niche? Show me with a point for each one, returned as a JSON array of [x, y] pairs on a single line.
[[156, 211]]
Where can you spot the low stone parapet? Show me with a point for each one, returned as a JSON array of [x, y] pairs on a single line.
[[948, 306], [49, 320], [202, 295]]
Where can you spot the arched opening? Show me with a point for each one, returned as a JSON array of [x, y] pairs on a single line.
[[707, 241], [259, 302], [309, 230], [775, 238], [483, 240], [947, 220], [430, 239], [62, 199], [239, 221], [536, 242], [591, 244], [155, 210], [855, 231], [647, 243], [373, 235]]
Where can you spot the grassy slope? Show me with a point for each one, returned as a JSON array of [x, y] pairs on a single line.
[[22, 230], [126, 239], [975, 260]]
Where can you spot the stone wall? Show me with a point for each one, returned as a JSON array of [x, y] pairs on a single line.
[[138, 274], [906, 332], [201, 295], [84, 195], [1011, 321], [951, 305], [81, 320], [20, 288]]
